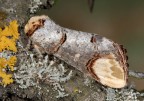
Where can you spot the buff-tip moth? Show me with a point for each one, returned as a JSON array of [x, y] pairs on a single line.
[[92, 54]]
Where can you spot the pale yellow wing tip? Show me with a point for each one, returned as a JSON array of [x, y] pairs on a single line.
[[33, 23], [119, 84], [110, 72]]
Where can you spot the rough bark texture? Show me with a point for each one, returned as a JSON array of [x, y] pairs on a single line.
[[78, 87]]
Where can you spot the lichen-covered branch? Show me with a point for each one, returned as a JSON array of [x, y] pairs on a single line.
[[50, 79], [92, 54]]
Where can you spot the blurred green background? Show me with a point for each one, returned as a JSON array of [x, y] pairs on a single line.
[[120, 20]]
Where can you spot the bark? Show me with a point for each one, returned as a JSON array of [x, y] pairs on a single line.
[[79, 88]]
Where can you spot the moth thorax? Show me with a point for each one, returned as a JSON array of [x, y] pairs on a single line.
[[110, 72]]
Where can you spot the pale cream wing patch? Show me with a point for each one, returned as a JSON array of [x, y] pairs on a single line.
[[109, 72]]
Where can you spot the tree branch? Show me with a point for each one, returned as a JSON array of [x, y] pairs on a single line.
[[30, 72]]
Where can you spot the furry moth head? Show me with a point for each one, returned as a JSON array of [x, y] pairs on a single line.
[[34, 23]]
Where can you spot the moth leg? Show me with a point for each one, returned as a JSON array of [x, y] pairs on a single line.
[[28, 46], [32, 46], [38, 50]]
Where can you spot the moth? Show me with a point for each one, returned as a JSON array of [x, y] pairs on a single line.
[[92, 54]]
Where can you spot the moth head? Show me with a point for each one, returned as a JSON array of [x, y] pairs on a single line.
[[34, 23], [110, 72]]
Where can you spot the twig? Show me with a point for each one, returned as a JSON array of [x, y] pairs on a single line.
[[136, 74]]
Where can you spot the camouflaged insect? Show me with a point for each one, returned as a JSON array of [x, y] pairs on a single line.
[[92, 54]]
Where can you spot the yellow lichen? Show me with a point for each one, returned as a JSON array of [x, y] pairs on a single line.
[[8, 37], [6, 78], [11, 62], [11, 30], [7, 44], [3, 63]]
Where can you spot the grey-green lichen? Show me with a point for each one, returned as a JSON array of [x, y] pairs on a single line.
[[124, 94], [33, 71], [34, 5]]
